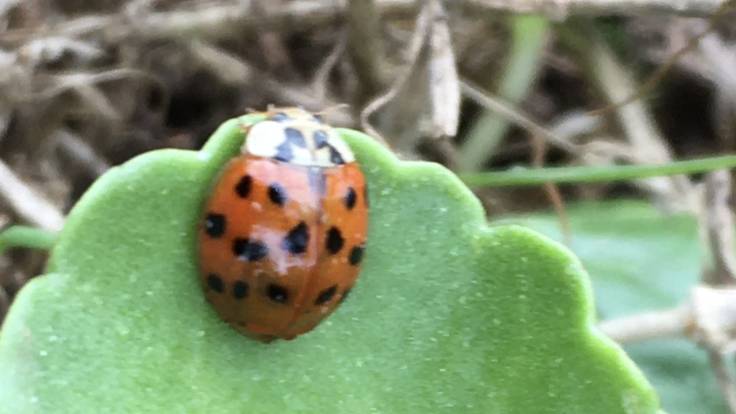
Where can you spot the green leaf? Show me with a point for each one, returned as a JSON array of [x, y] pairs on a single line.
[[449, 315], [641, 260]]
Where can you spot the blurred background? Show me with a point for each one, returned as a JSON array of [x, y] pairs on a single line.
[[476, 85]]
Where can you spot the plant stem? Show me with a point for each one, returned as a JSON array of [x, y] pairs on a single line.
[[28, 237], [585, 174], [529, 35], [671, 323]]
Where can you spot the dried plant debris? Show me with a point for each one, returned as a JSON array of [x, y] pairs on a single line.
[[424, 102]]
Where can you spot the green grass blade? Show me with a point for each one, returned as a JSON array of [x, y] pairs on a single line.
[[559, 175], [28, 237]]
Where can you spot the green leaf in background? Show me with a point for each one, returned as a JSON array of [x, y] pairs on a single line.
[[449, 315], [641, 260]]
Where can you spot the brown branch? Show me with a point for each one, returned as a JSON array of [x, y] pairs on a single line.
[[561, 9], [365, 45], [515, 116], [615, 81], [210, 20], [424, 101], [539, 151], [717, 221], [214, 20], [655, 78], [650, 325], [720, 340], [81, 153], [272, 44], [709, 317], [414, 49], [321, 78], [236, 72]]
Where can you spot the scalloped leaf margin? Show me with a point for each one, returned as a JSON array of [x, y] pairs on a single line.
[[449, 313]]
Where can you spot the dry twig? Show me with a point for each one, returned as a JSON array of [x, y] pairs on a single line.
[[82, 154], [662, 71], [718, 307], [672, 323], [215, 20], [27, 203], [561, 9], [709, 317], [365, 45], [647, 144], [424, 101], [238, 73], [539, 150], [718, 225], [320, 81], [516, 116]]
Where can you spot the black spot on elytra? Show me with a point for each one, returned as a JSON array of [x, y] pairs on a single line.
[[279, 117], [334, 240], [249, 250], [326, 295], [335, 156], [295, 137], [356, 255], [215, 283], [240, 289], [284, 153], [242, 188], [320, 138], [277, 293], [297, 239], [215, 224], [350, 198], [277, 194]]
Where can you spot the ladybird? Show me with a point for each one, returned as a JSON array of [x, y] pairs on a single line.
[[283, 232]]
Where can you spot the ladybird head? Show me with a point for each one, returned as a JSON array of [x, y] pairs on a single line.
[[296, 136]]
